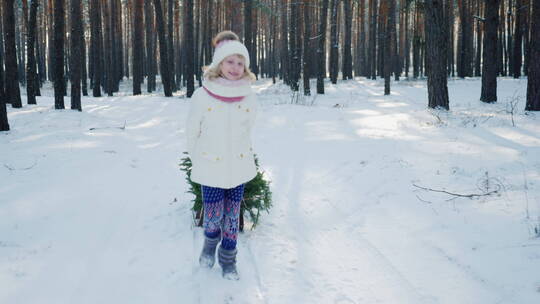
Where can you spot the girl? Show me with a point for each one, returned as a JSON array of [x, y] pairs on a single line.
[[219, 125]]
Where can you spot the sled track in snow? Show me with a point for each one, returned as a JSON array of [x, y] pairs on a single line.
[[253, 263], [195, 270], [381, 260], [362, 246]]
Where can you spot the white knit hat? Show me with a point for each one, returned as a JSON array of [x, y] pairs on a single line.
[[227, 48]]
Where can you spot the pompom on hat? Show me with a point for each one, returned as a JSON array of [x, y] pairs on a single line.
[[227, 48]]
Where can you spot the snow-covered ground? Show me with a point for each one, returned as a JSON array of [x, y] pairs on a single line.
[[94, 208]]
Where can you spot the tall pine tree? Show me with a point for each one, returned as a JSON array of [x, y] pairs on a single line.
[[58, 63], [12, 92], [76, 54], [163, 56], [436, 54], [32, 83], [138, 38], [321, 53], [334, 43], [489, 66], [533, 78], [188, 45], [96, 49]]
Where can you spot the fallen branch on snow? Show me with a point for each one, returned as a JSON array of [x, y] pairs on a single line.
[[459, 194], [121, 128], [21, 169]]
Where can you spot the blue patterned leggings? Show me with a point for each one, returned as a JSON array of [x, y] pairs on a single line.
[[222, 213]]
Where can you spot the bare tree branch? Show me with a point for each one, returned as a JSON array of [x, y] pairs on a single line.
[[459, 194]]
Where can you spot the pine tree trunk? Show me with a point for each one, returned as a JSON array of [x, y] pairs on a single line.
[[196, 44], [120, 44], [22, 38], [117, 44], [479, 25], [2, 80], [465, 38], [236, 18], [526, 38], [76, 54], [401, 40], [298, 38], [255, 34], [31, 74], [307, 36], [178, 47], [334, 44], [510, 40], [23, 34], [273, 29], [170, 46], [50, 40], [138, 38], [469, 39], [372, 53], [127, 35], [96, 50], [387, 47], [4, 124], [182, 55], [407, 51], [389, 63], [58, 67], [163, 56], [284, 52], [12, 92], [436, 38], [423, 59], [347, 56], [150, 55], [41, 38], [205, 34], [489, 60], [396, 68], [450, 26], [362, 39], [381, 37], [500, 41], [416, 44], [518, 39], [108, 45], [188, 45], [115, 78], [321, 53], [533, 79], [294, 47], [248, 38], [84, 74]]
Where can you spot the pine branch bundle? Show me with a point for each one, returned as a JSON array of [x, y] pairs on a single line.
[[257, 195]]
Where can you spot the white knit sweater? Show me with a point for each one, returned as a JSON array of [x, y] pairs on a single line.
[[219, 136]]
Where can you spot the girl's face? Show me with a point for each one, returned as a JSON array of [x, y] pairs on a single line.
[[232, 67]]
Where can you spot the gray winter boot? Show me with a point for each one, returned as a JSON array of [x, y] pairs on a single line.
[[208, 254], [227, 261]]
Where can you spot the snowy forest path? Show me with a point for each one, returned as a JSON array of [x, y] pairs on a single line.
[[346, 218], [94, 206]]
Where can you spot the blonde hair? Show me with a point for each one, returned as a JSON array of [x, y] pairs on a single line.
[[213, 73]]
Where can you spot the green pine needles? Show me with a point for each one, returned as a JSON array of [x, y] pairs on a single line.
[[257, 195]]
